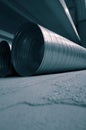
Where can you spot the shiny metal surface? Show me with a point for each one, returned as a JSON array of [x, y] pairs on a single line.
[[37, 50], [72, 9], [5, 35], [52, 14], [5, 59]]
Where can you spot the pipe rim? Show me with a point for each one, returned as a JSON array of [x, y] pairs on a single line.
[[5, 59], [28, 49]]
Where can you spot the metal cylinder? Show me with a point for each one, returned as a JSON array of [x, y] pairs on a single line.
[[72, 9], [52, 14], [6, 68], [81, 20], [36, 50]]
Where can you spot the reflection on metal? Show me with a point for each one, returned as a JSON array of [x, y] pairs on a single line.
[[52, 14], [72, 9], [69, 16], [37, 50], [6, 35], [5, 59]]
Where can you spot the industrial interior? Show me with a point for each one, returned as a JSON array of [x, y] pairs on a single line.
[[42, 64], [39, 32]]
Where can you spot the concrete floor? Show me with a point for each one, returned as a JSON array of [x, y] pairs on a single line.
[[48, 102]]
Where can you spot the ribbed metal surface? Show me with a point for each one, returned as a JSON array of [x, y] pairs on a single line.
[[5, 59], [37, 50]]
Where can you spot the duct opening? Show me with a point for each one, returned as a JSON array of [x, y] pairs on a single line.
[[37, 50], [28, 49], [5, 56]]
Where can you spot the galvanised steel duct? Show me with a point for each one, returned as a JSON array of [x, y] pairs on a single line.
[[6, 67], [81, 17], [6, 36], [72, 9], [52, 14], [37, 50]]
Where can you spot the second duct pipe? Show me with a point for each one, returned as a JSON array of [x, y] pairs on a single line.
[[37, 50]]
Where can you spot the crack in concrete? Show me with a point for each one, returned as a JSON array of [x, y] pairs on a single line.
[[43, 104]]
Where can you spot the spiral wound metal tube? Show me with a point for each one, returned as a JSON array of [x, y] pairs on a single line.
[[5, 59], [37, 50]]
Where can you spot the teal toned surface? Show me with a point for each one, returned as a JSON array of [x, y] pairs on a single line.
[[56, 101]]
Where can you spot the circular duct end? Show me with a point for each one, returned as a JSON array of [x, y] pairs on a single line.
[[28, 49], [5, 59]]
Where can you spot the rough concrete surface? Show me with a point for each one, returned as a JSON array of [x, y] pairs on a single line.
[[46, 102]]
